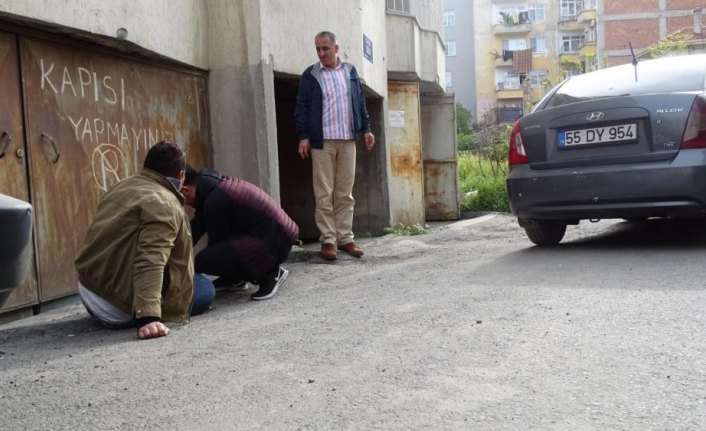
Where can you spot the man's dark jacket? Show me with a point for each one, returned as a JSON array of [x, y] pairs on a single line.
[[234, 210], [309, 108]]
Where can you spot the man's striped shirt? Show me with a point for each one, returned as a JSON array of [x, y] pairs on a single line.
[[336, 115]]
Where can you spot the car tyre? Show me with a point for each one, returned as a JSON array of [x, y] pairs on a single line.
[[545, 232]]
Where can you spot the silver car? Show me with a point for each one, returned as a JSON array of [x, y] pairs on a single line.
[[622, 142]]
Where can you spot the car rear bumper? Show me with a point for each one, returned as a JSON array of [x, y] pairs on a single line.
[[675, 188]]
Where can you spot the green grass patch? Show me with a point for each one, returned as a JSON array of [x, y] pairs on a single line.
[[482, 184], [402, 230]]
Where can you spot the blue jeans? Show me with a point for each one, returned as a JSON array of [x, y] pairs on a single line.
[[204, 294]]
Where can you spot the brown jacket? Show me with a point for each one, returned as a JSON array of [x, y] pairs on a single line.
[[140, 229]]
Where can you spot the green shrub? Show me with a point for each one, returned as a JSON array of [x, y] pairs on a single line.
[[465, 142]]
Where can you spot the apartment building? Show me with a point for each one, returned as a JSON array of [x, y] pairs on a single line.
[[524, 48]]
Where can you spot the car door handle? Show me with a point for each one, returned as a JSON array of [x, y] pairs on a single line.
[[5, 140], [48, 139]]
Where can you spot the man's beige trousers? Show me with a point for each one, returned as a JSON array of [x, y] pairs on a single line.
[[333, 175]]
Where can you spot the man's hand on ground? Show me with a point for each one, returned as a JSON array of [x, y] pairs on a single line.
[[152, 330]]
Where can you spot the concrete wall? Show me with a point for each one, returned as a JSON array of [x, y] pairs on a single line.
[[174, 28], [289, 27], [403, 34], [427, 14]]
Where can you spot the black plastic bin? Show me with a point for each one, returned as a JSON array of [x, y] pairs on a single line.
[[15, 241]]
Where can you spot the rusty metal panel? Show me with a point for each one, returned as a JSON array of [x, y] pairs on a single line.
[[91, 117], [405, 149], [441, 189], [13, 163]]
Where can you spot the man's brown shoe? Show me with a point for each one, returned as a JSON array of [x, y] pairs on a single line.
[[328, 251], [351, 249]]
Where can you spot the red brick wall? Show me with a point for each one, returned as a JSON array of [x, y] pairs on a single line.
[[680, 22], [618, 60], [684, 4], [623, 6], [639, 32]]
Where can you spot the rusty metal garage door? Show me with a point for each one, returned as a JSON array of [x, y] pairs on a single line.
[[91, 117], [13, 160]]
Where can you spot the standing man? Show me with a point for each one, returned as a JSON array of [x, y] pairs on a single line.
[[249, 234], [329, 115], [136, 265]]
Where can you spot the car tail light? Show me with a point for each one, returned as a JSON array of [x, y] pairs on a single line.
[[516, 152], [695, 131]]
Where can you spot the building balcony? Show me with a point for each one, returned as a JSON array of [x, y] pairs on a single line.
[[510, 29], [506, 90], [569, 23], [586, 16], [415, 54], [588, 50], [569, 56]]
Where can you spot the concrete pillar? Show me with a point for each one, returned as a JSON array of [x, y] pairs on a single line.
[[241, 93]]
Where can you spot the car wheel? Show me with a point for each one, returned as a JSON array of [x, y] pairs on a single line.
[[545, 232]]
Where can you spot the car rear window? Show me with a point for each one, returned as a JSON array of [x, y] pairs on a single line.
[[665, 75]]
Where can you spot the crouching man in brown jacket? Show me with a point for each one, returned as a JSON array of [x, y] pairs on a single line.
[[136, 266]]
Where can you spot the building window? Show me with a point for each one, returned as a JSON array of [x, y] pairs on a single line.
[[398, 5], [571, 43], [514, 44], [536, 13], [570, 8], [537, 77], [588, 4], [451, 48], [449, 79], [539, 45], [449, 18]]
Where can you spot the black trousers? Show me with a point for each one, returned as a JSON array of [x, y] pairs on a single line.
[[220, 260]]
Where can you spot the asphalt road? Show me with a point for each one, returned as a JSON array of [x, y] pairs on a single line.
[[467, 327]]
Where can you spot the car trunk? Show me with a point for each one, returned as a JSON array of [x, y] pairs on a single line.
[[615, 130]]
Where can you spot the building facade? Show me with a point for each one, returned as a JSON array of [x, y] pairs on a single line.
[[90, 85], [460, 52]]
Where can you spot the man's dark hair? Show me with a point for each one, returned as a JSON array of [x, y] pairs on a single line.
[[330, 35], [190, 175], [166, 158]]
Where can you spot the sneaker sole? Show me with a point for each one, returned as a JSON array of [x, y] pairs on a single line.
[[280, 281]]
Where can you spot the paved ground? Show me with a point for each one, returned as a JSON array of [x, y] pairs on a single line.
[[468, 327]]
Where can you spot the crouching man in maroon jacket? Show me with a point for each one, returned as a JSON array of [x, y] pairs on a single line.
[[249, 234]]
